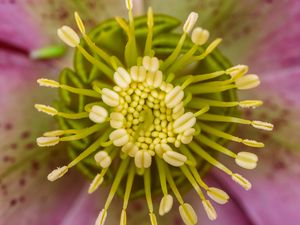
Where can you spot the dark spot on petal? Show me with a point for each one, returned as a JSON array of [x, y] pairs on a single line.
[[35, 166], [279, 165], [29, 146], [8, 159], [137, 206], [25, 134], [22, 182], [8, 126], [177, 221], [22, 199], [13, 146], [13, 202]]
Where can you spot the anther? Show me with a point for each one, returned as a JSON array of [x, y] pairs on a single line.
[[122, 78], [142, 159], [116, 120], [174, 97], [48, 83], [130, 148], [217, 195], [241, 181], [250, 103], [209, 209], [184, 122], [97, 181], [200, 36], [262, 125], [246, 160], [119, 137], [165, 205], [57, 173], [247, 82], [47, 141], [190, 22], [103, 159], [69, 36], [188, 214], [46, 109], [98, 114], [150, 63], [174, 158], [110, 97], [101, 217], [237, 71]]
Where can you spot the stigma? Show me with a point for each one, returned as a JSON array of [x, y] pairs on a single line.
[[150, 112]]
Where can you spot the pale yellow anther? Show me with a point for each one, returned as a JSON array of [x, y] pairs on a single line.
[[47, 141], [160, 149], [101, 217], [110, 97], [57, 173], [188, 214], [187, 136], [119, 137], [218, 195], [250, 103], [262, 125], [174, 158], [143, 159], [253, 143], [150, 63], [200, 36], [122, 78], [184, 122], [116, 120], [97, 181], [247, 82], [174, 97], [165, 205], [103, 159], [246, 160], [154, 79], [166, 87], [79, 23], [69, 36], [46, 109], [98, 114], [128, 4], [241, 181], [130, 148], [212, 46], [209, 209], [48, 83], [237, 71], [178, 111], [190, 22], [138, 73]]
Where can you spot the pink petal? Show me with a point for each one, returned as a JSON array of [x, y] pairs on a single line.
[[274, 198], [25, 194]]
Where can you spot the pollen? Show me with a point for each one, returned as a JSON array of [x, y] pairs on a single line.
[[147, 109]]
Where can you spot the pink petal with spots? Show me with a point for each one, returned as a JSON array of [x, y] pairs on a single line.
[[25, 194], [230, 213], [274, 198]]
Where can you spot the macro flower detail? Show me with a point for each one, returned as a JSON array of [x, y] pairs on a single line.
[[146, 110]]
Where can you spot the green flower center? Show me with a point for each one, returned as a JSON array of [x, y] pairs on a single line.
[[146, 109]]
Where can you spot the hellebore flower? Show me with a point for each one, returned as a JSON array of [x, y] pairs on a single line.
[[147, 110]]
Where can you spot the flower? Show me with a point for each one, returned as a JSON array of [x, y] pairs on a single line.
[[249, 204]]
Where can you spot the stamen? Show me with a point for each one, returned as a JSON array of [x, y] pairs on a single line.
[[209, 209], [122, 78], [208, 50], [218, 195], [237, 71], [57, 173], [241, 181], [174, 97], [46, 109], [69, 36], [147, 185], [98, 114], [143, 159], [47, 141], [174, 158], [230, 137], [184, 122], [150, 24], [190, 22], [119, 137], [55, 84], [103, 159], [202, 111], [200, 36], [110, 97], [82, 133], [129, 183], [97, 181], [246, 160], [116, 120], [247, 82], [262, 125], [188, 214], [165, 205]]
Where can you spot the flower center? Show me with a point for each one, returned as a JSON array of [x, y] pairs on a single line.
[[146, 109]]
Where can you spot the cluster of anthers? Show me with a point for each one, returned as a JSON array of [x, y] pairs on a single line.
[[151, 118]]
